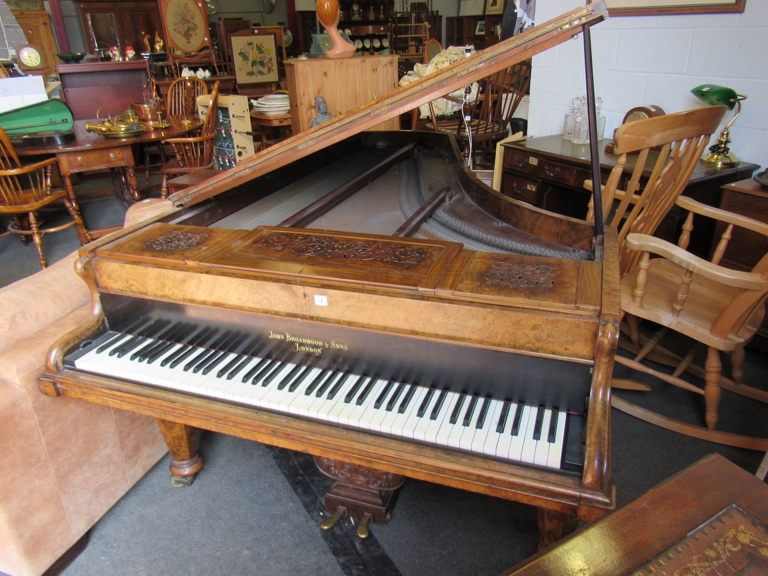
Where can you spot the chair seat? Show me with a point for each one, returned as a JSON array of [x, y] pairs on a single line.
[[706, 301], [173, 167]]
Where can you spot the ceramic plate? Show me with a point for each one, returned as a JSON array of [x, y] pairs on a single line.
[[761, 178]]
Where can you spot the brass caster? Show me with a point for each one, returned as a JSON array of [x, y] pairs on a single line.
[[329, 523], [362, 529], [182, 481]]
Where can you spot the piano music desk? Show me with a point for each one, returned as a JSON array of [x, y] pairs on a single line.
[[652, 535]]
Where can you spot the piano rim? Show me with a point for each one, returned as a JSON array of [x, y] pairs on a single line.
[[511, 481]]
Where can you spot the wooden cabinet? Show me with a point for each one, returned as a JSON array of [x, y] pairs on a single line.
[[549, 173], [345, 83], [36, 25], [464, 30], [119, 24]]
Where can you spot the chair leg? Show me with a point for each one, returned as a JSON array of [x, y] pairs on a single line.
[[164, 187], [75, 213], [737, 365], [146, 165], [634, 330], [713, 367], [37, 238]]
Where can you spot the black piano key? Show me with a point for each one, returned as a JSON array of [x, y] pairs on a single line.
[[366, 391], [383, 395], [290, 376], [553, 426], [213, 361], [457, 409], [151, 329], [407, 399], [130, 330], [483, 413], [143, 350], [425, 403], [516, 421], [438, 405], [184, 331], [199, 361], [299, 378], [316, 382], [470, 411], [239, 362], [354, 390], [393, 401], [327, 383], [338, 386], [538, 424], [162, 341], [187, 349], [256, 368], [269, 373], [503, 416]]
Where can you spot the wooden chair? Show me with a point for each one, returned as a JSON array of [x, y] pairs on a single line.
[[716, 306], [26, 189], [667, 149], [431, 49], [503, 92], [193, 152], [180, 101]]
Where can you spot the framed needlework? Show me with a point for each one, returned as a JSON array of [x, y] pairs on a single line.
[[662, 7], [255, 58], [494, 7]]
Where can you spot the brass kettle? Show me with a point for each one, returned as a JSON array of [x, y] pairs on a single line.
[[123, 125]]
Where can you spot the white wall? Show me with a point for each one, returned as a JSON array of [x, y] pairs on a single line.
[[657, 60]]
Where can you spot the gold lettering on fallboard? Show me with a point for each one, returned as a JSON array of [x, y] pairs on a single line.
[[308, 345]]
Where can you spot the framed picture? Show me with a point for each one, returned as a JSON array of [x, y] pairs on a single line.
[[17, 5], [493, 7], [480, 28], [660, 7], [255, 58], [186, 25]]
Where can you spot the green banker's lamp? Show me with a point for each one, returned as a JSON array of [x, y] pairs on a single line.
[[719, 154]]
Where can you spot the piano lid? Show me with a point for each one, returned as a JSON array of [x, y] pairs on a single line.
[[480, 65]]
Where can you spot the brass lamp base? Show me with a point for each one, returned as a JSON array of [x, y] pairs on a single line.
[[718, 159]]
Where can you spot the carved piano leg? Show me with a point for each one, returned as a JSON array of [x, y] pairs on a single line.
[[182, 444], [359, 492], [555, 525]]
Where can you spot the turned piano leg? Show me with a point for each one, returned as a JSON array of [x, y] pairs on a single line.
[[358, 492], [182, 444], [555, 525]]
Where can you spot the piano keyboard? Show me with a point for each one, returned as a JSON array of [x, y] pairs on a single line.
[[230, 366]]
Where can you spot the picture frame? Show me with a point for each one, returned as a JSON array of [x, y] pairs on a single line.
[[669, 7], [494, 7], [19, 5], [255, 58], [480, 28]]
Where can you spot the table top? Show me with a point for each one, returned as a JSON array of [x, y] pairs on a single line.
[[688, 518], [556, 147], [92, 141], [748, 186], [271, 119]]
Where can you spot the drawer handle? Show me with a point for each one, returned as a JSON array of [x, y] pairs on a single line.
[[111, 155], [553, 173], [519, 163], [80, 160]]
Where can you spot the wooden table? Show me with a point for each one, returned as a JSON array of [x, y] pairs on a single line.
[[277, 121], [90, 151], [660, 532]]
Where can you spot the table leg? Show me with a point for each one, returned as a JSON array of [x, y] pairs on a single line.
[[66, 177]]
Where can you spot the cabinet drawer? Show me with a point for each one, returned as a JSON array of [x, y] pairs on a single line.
[[562, 173], [518, 188], [96, 159], [520, 161], [753, 206]]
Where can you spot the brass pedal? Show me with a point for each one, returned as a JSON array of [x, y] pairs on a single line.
[[329, 523], [362, 529]]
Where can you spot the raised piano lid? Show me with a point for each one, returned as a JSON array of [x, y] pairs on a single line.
[[516, 49]]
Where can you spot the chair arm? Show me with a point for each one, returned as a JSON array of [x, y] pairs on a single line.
[[29, 168], [722, 215], [735, 278]]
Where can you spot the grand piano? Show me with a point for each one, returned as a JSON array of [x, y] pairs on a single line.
[[361, 297]]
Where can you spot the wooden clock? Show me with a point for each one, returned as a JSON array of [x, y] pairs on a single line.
[[30, 58]]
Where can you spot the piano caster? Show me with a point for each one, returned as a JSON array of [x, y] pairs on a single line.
[[329, 523], [182, 481], [362, 529]]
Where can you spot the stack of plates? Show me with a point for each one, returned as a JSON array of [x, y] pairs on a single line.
[[273, 105]]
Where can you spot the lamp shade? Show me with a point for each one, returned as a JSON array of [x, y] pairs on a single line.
[[716, 95]]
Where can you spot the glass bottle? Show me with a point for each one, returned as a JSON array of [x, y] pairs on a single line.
[[570, 118]]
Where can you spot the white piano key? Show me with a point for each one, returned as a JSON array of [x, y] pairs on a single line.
[[300, 397], [438, 430], [516, 444], [556, 448], [529, 444], [410, 421], [360, 417], [483, 442], [542, 446], [420, 431]]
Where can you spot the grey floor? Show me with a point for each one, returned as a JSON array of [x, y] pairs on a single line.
[[255, 509]]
